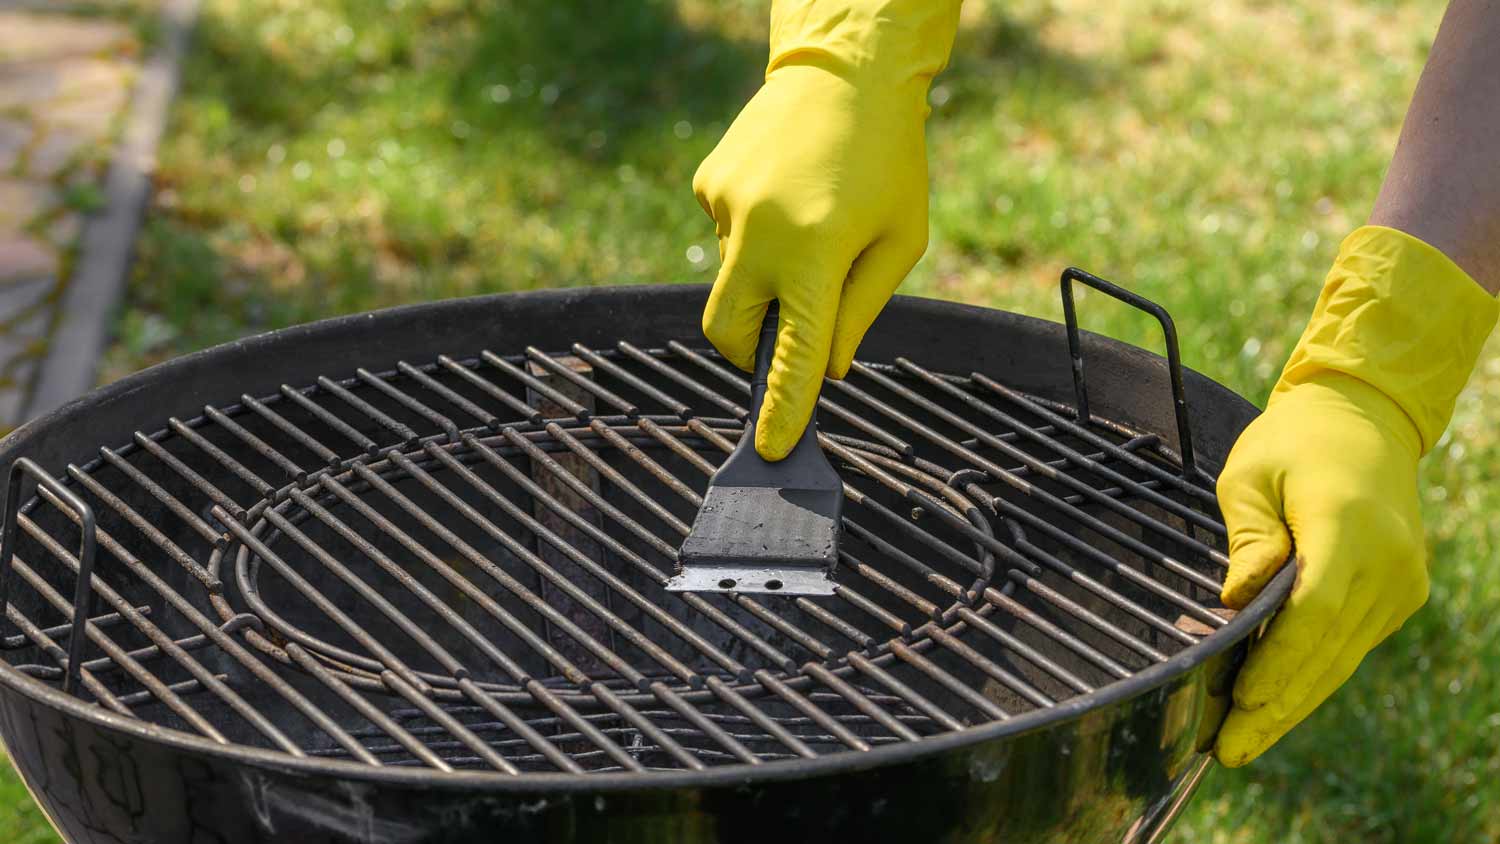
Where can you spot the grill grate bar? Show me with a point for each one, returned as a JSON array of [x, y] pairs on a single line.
[[326, 417], [752, 606], [172, 503], [621, 666], [293, 471], [1007, 640], [536, 385], [405, 400], [1058, 422], [489, 388], [467, 686], [619, 586], [893, 552], [834, 622], [237, 468], [116, 653], [440, 734], [431, 384], [452, 665], [1073, 608], [1077, 546], [301, 437], [1033, 552], [914, 658], [451, 725], [515, 587], [485, 602], [586, 384], [220, 635], [1072, 455], [388, 660], [49, 647], [186, 473], [161, 642], [405, 436], [1037, 466], [366, 710], [697, 602], [62, 631], [1057, 503], [682, 409]]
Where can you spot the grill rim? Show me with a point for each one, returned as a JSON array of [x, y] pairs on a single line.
[[209, 365]]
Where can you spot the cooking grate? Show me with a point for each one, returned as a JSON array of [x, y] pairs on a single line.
[[458, 563]]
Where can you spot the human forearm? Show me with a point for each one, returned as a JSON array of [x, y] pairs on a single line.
[[1443, 184]]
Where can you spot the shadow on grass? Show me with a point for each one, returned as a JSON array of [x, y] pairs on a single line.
[[1002, 57], [594, 78]]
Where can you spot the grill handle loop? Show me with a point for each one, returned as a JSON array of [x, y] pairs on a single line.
[[81, 591], [1174, 356]]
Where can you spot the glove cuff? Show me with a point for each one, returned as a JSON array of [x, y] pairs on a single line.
[[888, 41], [1397, 314]]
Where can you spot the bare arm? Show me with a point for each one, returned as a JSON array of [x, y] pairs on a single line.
[[1443, 185]]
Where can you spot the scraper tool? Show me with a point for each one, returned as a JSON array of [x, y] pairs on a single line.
[[765, 527]]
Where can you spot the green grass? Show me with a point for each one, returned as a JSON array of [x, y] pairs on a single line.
[[340, 155], [21, 821]]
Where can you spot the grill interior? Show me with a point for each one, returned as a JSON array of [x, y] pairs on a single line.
[[458, 563]]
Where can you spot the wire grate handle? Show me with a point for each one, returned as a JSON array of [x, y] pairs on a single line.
[[81, 592], [1174, 356]]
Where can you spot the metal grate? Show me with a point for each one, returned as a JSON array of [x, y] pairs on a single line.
[[458, 563]]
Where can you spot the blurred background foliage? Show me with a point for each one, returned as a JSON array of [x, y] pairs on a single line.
[[329, 156]]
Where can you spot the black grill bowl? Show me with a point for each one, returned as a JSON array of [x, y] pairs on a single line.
[[1112, 764]]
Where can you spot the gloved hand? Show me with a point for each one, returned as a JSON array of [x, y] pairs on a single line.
[[818, 191], [1331, 469]]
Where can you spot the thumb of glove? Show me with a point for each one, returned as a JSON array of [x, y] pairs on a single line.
[[1259, 541]]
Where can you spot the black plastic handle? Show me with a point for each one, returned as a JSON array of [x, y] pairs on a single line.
[[1174, 356], [765, 352], [87, 540], [806, 467]]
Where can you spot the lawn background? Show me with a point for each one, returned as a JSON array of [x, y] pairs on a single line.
[[328, 156]]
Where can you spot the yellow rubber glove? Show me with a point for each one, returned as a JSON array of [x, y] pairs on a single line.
[[1331, 468], [818, 191]]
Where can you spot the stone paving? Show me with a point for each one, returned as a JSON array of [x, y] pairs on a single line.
[[65, 79]]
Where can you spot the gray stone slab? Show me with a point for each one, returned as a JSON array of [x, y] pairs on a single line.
[[91, 115], [14, 136], [33, 84], [23, 343], [78, 340], [15, 392], [64, 229], [19, 297], [23, 200], [52, 154], [38, 35], [23, 258]]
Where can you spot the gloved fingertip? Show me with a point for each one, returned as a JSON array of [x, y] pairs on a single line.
[[839, 364], [1253, 563], [1245, 735], [1233, 754], [1230, 759], [787, 411], [782, 420], [1242, 584], [731, 323], [771, 443]]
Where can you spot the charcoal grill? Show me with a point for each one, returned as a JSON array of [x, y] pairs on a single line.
[[419, 596]]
